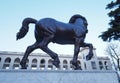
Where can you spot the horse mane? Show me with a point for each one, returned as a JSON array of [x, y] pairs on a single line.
[[74, 17]]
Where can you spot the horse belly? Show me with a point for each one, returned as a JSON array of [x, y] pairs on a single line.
[[64, 38], [63, 42]]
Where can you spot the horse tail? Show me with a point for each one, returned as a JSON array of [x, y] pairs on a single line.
[[24, 29]]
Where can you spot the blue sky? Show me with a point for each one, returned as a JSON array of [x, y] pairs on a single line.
[[12, 13]]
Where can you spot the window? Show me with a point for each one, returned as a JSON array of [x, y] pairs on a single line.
[[34, 64], [93, 64], [71, 66], [17, 60], [101, 65], [6, 64], [16, 63], [79, 64], [42, 64], [85, 65], [106, 65], [65, 66], [0, 59], [50, 66]]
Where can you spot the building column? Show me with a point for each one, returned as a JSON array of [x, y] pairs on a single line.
[[68, 64], [97, 64], [38, 64], [88, 65], [61, 64], [11, 63], [46, 64], [29, 64], [2, 62], [82, 64]]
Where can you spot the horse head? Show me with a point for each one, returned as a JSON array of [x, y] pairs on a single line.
[[74, 18]]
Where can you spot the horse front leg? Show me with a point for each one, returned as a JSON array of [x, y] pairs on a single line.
[[90, 54], [76, 52], [27, 52]]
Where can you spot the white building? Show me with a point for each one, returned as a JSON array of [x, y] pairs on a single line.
[[40, 69], [37, 61]]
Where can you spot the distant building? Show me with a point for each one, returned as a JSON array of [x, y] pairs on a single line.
[[37, 61]]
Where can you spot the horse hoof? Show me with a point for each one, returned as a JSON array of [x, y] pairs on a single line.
[[74, 63], [56, 64], [89, 57], [78, 68], [23, 68], [23, 65]]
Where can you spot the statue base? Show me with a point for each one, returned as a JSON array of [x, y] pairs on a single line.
[[57, 76]]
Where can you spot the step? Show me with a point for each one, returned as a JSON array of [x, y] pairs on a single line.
[[57, 76]]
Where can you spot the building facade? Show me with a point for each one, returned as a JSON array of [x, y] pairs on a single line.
[[37, 61]]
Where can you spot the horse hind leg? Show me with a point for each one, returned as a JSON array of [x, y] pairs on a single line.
[[27, 52], [78, 67], [53, 55], [43, 46]]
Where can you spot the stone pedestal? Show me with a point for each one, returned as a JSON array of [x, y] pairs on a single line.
[[57, 76]]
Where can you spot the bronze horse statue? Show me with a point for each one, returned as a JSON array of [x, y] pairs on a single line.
[[50, 30]]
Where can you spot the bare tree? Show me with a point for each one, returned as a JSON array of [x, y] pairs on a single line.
[[113, 50]]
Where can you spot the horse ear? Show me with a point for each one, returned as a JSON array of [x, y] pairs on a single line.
[[71, 20], [74, 17]]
